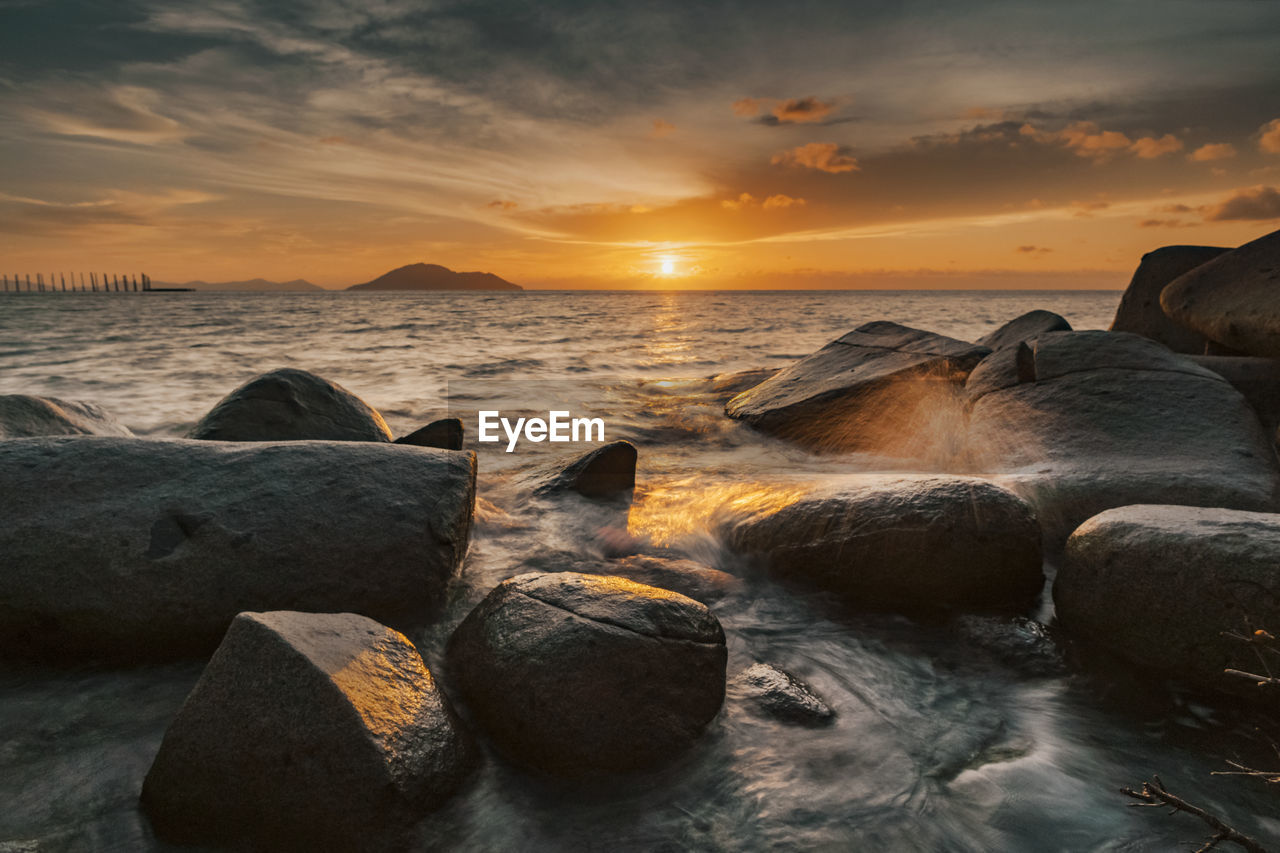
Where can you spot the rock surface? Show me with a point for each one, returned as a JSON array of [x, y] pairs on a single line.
[[1258, 379], [1024, 328], [1157, 585], [606, 473], [687, 577], [306, 730], [291, 405], [579, 674], [1139, 311], [445, 433], [1078, 422], [1019, 643], [909, 541], [24, 416], [1233, 299], [131, 547], [782, 696], [847, 394]]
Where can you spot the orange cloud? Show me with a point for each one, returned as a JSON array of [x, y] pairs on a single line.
[[1253, 203], [746, 107], [1164, 223], [1270, 140], [773, 202], [1212, 151], [1149, 148], [499, 204], [802, 110], [1032, 250], [823, 156], [661, 128]]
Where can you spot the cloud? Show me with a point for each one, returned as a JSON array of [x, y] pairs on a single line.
[[1086, 209], [746, 201], [1149, 148], [1253, 203], [1032, 250], [1165, 223], [661, 128], [746, 107], [1086, 139], [823, 156], [1212, 151], [1269, 141], [501, 204], [802, 110]]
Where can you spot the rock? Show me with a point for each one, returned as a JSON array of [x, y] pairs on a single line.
[[783, 697], [728, 385], [118, 547], [1139, 311], [1258, 379], [687, 577], [903, 541], [1078, 422], [1233, 299], [579, 674], [24, 416], [306, 731], [445, 433], [1157, 586], [606, 473], [1025, 328], [859, 391], [291, 405], [1017, 642]]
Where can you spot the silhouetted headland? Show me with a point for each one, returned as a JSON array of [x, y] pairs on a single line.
[[435, 277]]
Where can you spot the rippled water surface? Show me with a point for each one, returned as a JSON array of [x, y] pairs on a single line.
[[937, 745]]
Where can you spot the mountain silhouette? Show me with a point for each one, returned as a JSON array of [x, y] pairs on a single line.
[[435, 277]]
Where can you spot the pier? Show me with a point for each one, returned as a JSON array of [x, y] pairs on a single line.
[[82, 283]]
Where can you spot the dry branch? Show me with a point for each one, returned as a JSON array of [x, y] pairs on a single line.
[[1154, 793]]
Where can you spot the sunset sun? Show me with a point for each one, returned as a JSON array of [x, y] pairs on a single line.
[[668, 266]]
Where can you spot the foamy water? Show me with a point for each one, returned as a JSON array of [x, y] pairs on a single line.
[[936, 745]]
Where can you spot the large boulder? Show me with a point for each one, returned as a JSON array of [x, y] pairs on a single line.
[[581, 674], [606, 473], [1159, 585], [1139, 311], [130, 547], [291, 405], [1233, 299], [861, 391], [1025, 328], [307, 731], [931, 542], [1258, 379], [1079, 422], [687, 577], [24, 416]]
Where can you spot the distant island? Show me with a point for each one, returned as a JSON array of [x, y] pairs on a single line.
[[255, 285], [435, 277]]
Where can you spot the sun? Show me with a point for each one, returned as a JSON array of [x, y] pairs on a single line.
[[668, 266]]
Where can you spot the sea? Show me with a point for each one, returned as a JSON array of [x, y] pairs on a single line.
[[938, 745]]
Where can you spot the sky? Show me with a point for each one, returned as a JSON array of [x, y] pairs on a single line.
[[682, 144]]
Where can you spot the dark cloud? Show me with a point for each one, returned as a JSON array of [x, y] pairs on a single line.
[[1254, 203]]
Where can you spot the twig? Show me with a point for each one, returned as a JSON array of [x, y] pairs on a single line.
[[1154, 793]]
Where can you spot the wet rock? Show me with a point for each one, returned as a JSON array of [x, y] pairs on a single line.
[[24, 416], [606, 473], [1258, 379], [1233, 299], [1016, 642], [1158, 586], [307, 731], [1139, 311], [859, 389], [291, 405], [782, 696], [1078, 422], [579, 674], [687, 577], [903, 541], [445, 433], [1025, 328], [118, 547]]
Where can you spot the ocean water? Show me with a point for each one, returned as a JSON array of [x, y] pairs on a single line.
[[937, 745]]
